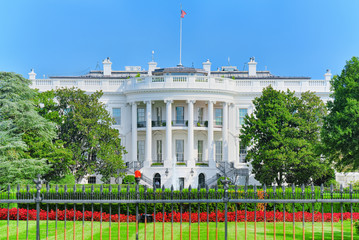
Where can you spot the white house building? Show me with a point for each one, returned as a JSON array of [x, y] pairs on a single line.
[[180, 125]]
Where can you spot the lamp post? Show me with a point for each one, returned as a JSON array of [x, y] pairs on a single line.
[[137, 176]]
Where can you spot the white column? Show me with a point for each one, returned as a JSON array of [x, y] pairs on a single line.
[[168, 157], [225, 132], [211, 157], [134, 132], [148, 147], [190, 141]]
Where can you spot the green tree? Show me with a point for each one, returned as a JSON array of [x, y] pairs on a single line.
[[84, 126], [340, 131], [283, 136], [55, 151], [19, 121]]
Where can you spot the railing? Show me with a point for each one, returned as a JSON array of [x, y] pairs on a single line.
[[293, 212], [201, 123], [200, 162], [188, 82], [141, 124], [161, 123], [180, 123]]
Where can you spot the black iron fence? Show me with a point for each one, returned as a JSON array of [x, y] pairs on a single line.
[[230, 212]]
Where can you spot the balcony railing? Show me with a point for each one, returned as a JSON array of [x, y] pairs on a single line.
[[200, 162], [197, 82], [201, 123], [180, 123], [141, 124], [161, 123]]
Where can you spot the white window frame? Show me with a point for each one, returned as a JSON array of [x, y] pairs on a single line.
[[117, 118], [219, 151], [141, 150]]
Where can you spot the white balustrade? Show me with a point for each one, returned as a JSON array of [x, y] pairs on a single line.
[[188, 82]]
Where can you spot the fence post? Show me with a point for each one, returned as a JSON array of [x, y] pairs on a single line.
[[38, 200], [225, 200]]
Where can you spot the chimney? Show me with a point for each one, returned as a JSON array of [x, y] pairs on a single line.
[[32, 75], [107, 67], [252, 67], [207, 67], [328, 75], [151, 67]]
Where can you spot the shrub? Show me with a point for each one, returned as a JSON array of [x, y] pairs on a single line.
[[356, 226], [129, 179], [67, 179]]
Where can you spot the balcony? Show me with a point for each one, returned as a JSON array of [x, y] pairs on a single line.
[[201, 123], [179, 123], [161, 123], [200, 162], [180, 160], [185, 82], [157, 160], [141, 124]]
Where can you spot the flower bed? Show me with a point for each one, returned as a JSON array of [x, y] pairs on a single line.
[[176, 216]]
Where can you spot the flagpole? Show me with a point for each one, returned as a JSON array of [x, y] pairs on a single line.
[[180, 62]]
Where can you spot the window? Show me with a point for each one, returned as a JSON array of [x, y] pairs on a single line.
[[242, 153], [201, 180], [218, 116], [116, 114], [200, 115], [181, 182], [242, 114], [159, 114], [200, 151], [141, 122], [180, 115], [180, 150], [157, 180], [218, 151], [91, 180], [141, 150], [159, 150]]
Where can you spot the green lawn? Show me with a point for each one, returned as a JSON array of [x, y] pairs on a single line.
[[176, 235]]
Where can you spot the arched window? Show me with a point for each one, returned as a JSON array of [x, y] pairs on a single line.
[[157, 180], [201, 180]]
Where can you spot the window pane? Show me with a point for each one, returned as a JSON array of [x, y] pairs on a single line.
[[181, 183], [242, 153], [116, 114], [242, 114], [180, 150], [141, 150], [180, 115], [218, 116], [140, 115], [200, 151], [218, 150], [159, 151], [159, 114], [200, 115]]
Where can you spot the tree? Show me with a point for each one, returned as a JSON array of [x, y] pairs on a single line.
[[84, 126], [283, 134], [18, 122], [340, 131], [55, 151]]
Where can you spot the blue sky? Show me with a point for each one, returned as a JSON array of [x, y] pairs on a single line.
[[69, 37]]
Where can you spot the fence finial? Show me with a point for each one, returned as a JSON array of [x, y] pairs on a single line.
[[38, 182]]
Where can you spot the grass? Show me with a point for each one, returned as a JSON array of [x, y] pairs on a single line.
[[176, 234]]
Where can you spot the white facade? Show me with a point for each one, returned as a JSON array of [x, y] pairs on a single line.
[[183, 123]]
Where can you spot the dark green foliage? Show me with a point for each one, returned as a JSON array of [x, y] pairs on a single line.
[[129, 179], [22, 132], [85, 130], [283, 136], [340, 131]]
